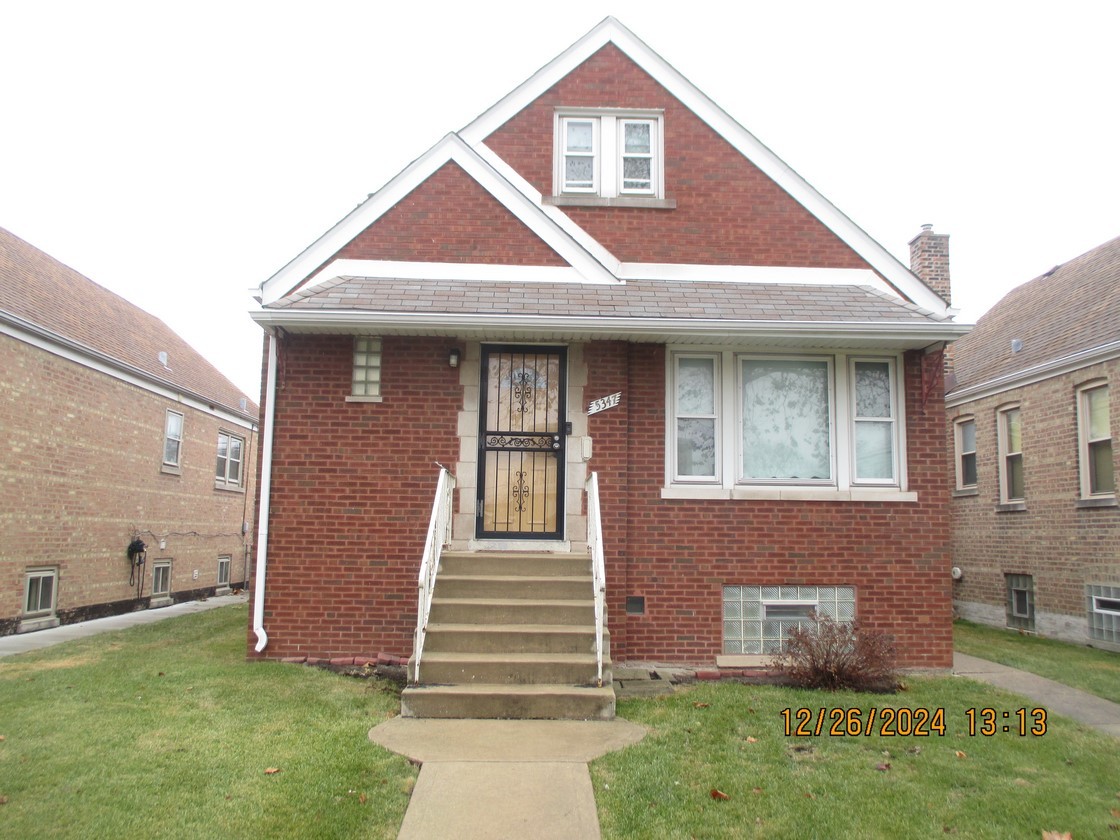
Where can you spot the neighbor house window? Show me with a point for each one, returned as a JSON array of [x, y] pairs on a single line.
[[1095, 438], [172, 439], [161, 578], [609, 154], [1020, 601], [223, 571], [964, 435], [39, 592], [1010, 424], [231, 454], [365, 382], [1104, 612], [750, 419], [759, 619]]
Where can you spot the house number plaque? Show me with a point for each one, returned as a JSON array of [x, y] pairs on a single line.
[[603, 403]]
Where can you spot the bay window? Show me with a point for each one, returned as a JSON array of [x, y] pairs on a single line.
[[742, 420]]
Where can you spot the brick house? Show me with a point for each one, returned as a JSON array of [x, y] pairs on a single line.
[[1036, 527], [603, 274], [114, 430]]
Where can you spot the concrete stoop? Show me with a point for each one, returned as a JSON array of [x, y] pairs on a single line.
[[511, 636]]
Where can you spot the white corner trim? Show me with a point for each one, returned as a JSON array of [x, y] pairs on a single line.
[[450, 149], [611, 31]]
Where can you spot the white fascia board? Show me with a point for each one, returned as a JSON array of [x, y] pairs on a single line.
[[915, 334], [780, 275], [478, 272], [611, 31], [450, 149], [1034, 374], [93, 360]]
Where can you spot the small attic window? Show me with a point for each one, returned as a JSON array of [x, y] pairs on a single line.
[[609, 154]]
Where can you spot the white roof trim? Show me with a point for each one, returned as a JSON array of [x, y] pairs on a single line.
[[783, 275], [611, 31], [450, 148], [1035, 373]]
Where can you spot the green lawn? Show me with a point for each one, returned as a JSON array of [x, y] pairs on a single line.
[[166, 731], [1092, 670]]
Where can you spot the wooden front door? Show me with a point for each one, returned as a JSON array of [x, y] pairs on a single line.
[[522, 424]]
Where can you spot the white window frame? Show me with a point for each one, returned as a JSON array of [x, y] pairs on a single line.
[[225, 563], [169, 437], [1097, 608], [960, 453], [158, 567], [1006, 454], [365, 376], [717, 403], [892, 420], [729, 481], [39, 574], [1085, 441], [608, 153], [739, 601], [222, 465]]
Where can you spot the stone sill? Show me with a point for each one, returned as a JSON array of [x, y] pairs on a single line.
[[1012, 507], [599, 201], [1100, 502], [790, 494], [966, 492]]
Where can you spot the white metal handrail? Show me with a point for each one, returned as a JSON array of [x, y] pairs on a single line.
[[439, 536], [598, 567]]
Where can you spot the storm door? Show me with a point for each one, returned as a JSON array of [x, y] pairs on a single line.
[[521, 442]]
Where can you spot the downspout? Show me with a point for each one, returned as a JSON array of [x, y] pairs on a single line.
[[266, 492]]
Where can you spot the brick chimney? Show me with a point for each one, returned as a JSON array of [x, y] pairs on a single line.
[[929, 259]]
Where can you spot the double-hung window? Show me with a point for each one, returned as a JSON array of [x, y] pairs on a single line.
[[1095, 441], [1010, 432], [161, 578], [39, 592], [748, 419], [231, 454], [964, 443], [172, 439], [609, 154]]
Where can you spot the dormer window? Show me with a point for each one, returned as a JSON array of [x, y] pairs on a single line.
[[609, 154]]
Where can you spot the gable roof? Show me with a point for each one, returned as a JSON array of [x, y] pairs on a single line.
[[42, 298], [587, 259], [1067, 318]]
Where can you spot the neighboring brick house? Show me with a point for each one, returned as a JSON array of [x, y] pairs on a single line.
[[1033, 409], [607, 253], [113, 430]]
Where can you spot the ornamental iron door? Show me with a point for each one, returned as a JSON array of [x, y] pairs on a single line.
[[521, 442]]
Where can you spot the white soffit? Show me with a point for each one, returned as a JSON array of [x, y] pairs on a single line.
[[611, 31], [450, 149]]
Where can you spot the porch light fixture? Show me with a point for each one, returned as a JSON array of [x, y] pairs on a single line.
[[453, 357]]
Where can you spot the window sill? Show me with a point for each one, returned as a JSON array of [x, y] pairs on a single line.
[[790, 494], [966, 492], [160, 601], [43, 622], [1098, 502], [229, 488], [1011, 507], [168, 469], [353, 399], [744, 660], [599, 201]]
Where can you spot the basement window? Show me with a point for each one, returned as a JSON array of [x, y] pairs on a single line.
[[1103, 603], [1020, 602], [759, 619]]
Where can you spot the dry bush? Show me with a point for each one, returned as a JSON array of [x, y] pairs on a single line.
[[836, 655]]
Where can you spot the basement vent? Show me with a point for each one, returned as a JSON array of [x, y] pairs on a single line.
[[635, 605]]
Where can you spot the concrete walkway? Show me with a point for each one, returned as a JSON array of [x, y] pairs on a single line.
[[1053, 696], [24, 642], [497, 779]]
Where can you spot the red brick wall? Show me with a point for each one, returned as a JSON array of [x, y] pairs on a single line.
[[679, 554], [352, 491], [728, 212], [1061, 545], [82, 474]]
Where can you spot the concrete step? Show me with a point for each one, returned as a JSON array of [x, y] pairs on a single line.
[[523, 702], [513, 563], [514, 638], [550, 588], [469, 668], [510, 611]]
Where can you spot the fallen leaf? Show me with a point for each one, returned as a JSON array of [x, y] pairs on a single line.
[[362, 798], [1056, 835], [160, 674], [752, 740], [915, 751], [1115, 812], [3, 800], [756, 790], [271, 771], [962, 754], [810, 796], [2, 738], [701, 705], [884, 767], [719, 794]]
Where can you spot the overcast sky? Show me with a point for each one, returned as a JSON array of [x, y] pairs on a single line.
[[180, 154]]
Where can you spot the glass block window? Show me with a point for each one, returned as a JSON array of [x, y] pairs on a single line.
[[366, 380], [758, 619], [1020, 602], [1102, 604]]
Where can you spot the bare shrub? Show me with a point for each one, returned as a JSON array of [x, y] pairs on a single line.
[[835, 655]]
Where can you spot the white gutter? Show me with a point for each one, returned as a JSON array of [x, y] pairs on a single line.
[[266, 492]]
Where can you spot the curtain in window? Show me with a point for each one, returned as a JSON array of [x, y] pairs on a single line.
[[786, 419], [696, 424], [874, 428]]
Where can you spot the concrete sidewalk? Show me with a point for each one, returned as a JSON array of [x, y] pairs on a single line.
[[496, 779], [1053, 696], [24, 642]]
